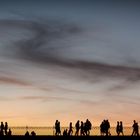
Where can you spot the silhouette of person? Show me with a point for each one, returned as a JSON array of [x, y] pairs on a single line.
[[33, 133], [121, 128], [102, 128], [135, 129], [70, 132], [65, 132], [57, 128], [77, 127], [2, 129], [1, 133], [118, 128], [27, 133], [82, 129], [87, 128], [6, 128], [107, 127], [9, 133], [2, 126], [56, 123]]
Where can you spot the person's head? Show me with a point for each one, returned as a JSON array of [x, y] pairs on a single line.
[[33, 133], [117, 122]]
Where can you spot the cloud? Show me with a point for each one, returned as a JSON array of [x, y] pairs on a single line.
[[15, 81], [31, 49], [44, 98], [54, 98], [38, 49]]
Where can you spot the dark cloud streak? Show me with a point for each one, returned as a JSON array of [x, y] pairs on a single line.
[[42, 34], [10, 80]]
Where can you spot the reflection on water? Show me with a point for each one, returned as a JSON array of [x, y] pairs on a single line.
[[51, 130]]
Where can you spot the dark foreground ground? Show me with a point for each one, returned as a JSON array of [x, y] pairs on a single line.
[[71, 138]]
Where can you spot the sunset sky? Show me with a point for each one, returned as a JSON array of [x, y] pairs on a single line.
[[69, 60]]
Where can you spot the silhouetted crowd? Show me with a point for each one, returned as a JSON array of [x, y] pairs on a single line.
[[104, 128], [4, 130], [83, 128]]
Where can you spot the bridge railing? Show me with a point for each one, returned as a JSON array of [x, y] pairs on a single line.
[[51, 131]]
